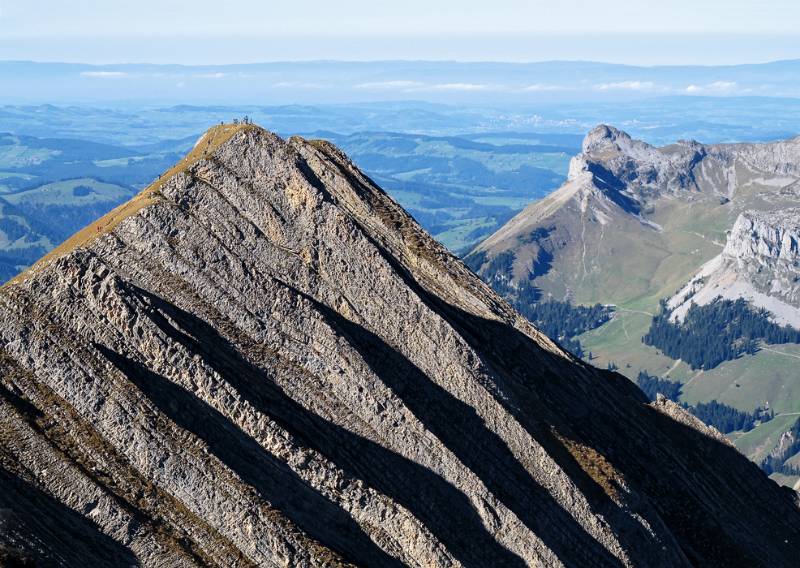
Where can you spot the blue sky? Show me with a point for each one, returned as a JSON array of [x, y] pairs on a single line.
[[238, 31]]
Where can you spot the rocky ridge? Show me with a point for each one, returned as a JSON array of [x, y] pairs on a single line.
[[616, 177], [263, 360]]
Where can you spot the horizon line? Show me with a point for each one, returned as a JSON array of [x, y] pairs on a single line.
[[411, 60]]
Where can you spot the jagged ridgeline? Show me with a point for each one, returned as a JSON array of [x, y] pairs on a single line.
[[264, 361], [634, 220]]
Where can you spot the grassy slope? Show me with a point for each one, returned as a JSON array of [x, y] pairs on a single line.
[[62, 193]]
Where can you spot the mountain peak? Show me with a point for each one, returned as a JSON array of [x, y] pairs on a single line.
[[208, 143], [270, 363], [602, 136]]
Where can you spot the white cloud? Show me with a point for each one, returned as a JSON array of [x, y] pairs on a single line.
[[539, 87], [715, 87], [389, 85], [211, 75], [297, 85], [416, 86], [461, 87], [104, 74], [627, 86]]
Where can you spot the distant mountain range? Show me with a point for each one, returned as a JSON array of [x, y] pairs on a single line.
[[352, 82]]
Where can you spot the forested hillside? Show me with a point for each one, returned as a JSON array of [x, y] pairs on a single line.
[[724, 418], [719, 331]]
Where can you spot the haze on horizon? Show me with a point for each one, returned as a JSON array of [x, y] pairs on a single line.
[[646, 32]]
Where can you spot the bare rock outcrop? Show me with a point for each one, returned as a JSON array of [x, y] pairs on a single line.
[[760, 263], [645, 171], [264, 361]]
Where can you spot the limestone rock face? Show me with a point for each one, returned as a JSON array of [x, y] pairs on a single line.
[[766, 239], [264, 361], [621, 163], [760, 263], [644, 171]]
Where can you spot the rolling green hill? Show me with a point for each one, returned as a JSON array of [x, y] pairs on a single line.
[[461, 189]]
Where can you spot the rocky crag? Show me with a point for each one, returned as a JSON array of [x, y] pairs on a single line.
[[263, 360], [616, 183], [760, 263]]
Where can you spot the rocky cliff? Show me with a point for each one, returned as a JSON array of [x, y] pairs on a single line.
[[262, 360], [760, 263], [635, 167]]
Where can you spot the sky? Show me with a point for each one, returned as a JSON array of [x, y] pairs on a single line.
[[648, 32]]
